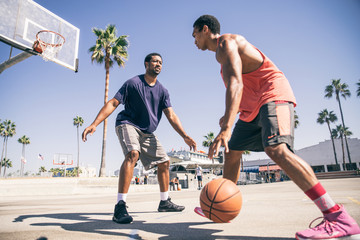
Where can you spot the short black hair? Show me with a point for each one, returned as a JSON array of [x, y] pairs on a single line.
[[149, 57], [210, 21]]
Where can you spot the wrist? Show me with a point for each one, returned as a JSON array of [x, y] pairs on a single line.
[[225, 128]]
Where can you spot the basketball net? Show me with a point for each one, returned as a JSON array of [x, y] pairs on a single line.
[[48, 44]]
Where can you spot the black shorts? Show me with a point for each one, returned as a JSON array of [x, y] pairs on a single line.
[[199, 178], [273, 125]]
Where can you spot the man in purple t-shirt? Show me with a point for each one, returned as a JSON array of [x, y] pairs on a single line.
[[145, 99]]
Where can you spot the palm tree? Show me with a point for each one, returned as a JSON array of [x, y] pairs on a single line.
[[296, 119], [347, 133], [78, 121], [341, 132], [6, 163], [9, 130], [42, 169], [209, 138], [337, 133], [108, 48], [246, 152], [340, 90], [358, 88], [24, 140], [2, 127], [328, 117]]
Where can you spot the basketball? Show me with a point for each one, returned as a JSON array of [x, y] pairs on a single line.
[[221, 200]]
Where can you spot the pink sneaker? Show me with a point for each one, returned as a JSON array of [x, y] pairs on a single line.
[[199, 211], [337, 225]]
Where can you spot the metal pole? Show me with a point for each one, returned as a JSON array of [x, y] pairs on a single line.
[[18, 58]]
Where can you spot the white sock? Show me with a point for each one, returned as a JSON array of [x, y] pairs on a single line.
[[164, 196], [121, 196]]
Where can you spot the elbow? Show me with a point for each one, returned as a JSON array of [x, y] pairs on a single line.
[[114, 102]]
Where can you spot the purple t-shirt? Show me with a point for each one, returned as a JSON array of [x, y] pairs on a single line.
[[143, 103]]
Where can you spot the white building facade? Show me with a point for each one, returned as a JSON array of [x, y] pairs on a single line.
[[322, 159]]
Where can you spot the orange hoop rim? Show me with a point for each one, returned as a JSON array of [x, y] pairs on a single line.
[[49, 44]]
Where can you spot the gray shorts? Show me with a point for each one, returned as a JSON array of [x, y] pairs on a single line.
[[273, 125], [151, 151]]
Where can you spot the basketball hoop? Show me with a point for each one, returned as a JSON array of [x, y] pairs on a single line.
[[48, 43]]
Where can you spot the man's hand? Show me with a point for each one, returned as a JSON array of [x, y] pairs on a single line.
[[189, 141], [221, 139], [91, 129]]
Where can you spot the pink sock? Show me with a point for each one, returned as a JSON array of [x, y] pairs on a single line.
[[322, 199]]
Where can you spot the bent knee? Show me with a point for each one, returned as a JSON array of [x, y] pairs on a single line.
[[164, 165], [277, 151], [132, 156]]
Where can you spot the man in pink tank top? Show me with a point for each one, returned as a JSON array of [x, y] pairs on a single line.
[[262, 95]]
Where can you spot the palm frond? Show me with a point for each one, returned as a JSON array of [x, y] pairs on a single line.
[[120, 62], [98, 57], [329, 90], [92, 49], [345, 92], [122, 41], [98, 32], [111, 29]]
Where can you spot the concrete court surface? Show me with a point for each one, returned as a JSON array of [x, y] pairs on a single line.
[[270, 211]]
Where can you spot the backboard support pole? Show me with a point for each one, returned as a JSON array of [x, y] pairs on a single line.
[[14, 60]]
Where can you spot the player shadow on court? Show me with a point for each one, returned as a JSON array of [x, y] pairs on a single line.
[[91, 223]]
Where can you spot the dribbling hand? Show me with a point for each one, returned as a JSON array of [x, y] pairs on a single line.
[[91, 129], [192, 144]]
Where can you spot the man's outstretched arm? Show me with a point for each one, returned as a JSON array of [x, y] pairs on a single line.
[[176, 124], [105, 111]]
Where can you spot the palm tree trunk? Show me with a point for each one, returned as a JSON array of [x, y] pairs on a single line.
[[343, 123], [5, 139], [22, 160], [102, 172], [343, 152], [347, 149], [78, 146], [332, 140], [2, 155]]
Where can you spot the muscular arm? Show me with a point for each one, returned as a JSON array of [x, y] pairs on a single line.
[[227, 55], [105, 111], [230, 59], [176, 124]]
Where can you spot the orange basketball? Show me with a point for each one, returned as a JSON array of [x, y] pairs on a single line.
[[221, 200]]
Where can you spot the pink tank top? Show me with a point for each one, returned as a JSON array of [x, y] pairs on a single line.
[[266, 84]]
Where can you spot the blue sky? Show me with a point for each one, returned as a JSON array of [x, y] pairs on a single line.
[[312, 42]]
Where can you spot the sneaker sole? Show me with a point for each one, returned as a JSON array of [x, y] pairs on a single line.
[[123, 221], [352, 237], [170, 210]]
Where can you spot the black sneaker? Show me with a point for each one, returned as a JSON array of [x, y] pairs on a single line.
[[120, 213], [168, 206]]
